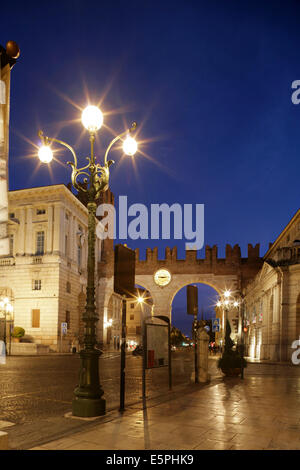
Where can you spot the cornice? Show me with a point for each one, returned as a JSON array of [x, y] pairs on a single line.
[[52, 194]]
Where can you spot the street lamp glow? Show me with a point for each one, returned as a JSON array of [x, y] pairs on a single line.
[[140, 300], [236, 304], [130, 146], [227, 293], [226, 302], [92, 118], [108, 323], [45, 154], [219, 304]]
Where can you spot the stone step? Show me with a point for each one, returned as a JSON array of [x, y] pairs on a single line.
[[20, 349]]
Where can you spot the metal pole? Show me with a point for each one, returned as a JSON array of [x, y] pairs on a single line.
[[242, 341], [196, 349], [170, 356], [144, 344], [88, 399], [123, 357]]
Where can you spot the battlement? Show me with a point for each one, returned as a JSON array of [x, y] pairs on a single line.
[[232, 264], [232, 255]]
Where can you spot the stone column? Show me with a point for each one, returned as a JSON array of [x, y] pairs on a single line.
[[21, 233], [49, 230], [284, 315], [72, 236], [203, 339], [29, 234], [56, 228], [62, 230]]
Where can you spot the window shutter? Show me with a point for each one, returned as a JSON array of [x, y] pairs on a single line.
[[35, 318]]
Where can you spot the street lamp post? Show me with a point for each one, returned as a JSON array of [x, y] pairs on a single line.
[[88, 399], [226, 301]]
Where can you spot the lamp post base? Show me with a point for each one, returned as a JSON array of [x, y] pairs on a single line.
[[88, 401], [88, 407]]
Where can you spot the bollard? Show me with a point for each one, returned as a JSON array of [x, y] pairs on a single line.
[[203, 339]]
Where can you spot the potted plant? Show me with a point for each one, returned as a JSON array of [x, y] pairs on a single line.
[[231, 362], [17, 333]]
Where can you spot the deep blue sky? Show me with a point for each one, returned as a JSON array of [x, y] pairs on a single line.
[[210, 82]]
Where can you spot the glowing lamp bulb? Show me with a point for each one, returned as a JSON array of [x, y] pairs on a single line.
[[45, 154], [226, 302], [227, 293], [92, 118], [140, 300], [130, 146], [236, 304]]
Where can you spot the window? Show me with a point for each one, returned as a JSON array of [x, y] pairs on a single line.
[[12, 215], [40, 243], [68, 287], [11, 245], [66, 245], [131, 316], [131, 305], [68, 318], [138, 330], [40, 211], [79, 255], [35, 318], [36, 284], [67, 216]]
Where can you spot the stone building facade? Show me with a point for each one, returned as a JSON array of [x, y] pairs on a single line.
[[272, 299], [44, 275], [136, 313]]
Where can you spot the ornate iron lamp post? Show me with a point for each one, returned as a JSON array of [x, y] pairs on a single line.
[[226, 301], [88, 399]]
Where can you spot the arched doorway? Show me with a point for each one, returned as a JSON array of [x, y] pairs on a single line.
[[207, 299]]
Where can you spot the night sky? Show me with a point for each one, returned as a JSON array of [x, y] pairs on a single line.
[[209, 82]]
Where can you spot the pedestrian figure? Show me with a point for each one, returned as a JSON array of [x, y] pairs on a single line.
[[2, 352]]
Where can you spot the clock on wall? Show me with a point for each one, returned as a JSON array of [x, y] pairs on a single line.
[[162, 277]]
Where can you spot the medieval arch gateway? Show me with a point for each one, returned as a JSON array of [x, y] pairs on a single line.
[[163, 278]]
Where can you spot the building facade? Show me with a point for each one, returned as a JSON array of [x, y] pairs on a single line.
[[44, 275], [137, 310], [272, 299]]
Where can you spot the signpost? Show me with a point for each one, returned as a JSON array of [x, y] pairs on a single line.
[[63, 332], [124, 280], [192, 309], [156, 347]]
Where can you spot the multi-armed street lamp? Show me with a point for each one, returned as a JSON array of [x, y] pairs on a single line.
[[88, 399], [226, 302]]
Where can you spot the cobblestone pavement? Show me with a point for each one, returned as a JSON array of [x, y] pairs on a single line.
[[32, 387], [36, 392], [261, 412]]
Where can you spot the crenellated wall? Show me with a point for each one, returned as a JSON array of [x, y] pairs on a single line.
[[233, 263]]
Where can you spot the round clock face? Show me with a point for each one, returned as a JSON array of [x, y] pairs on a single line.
[[162, 277]]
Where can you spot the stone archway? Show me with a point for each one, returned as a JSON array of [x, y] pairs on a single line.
[[163, 296], [231, 272]]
